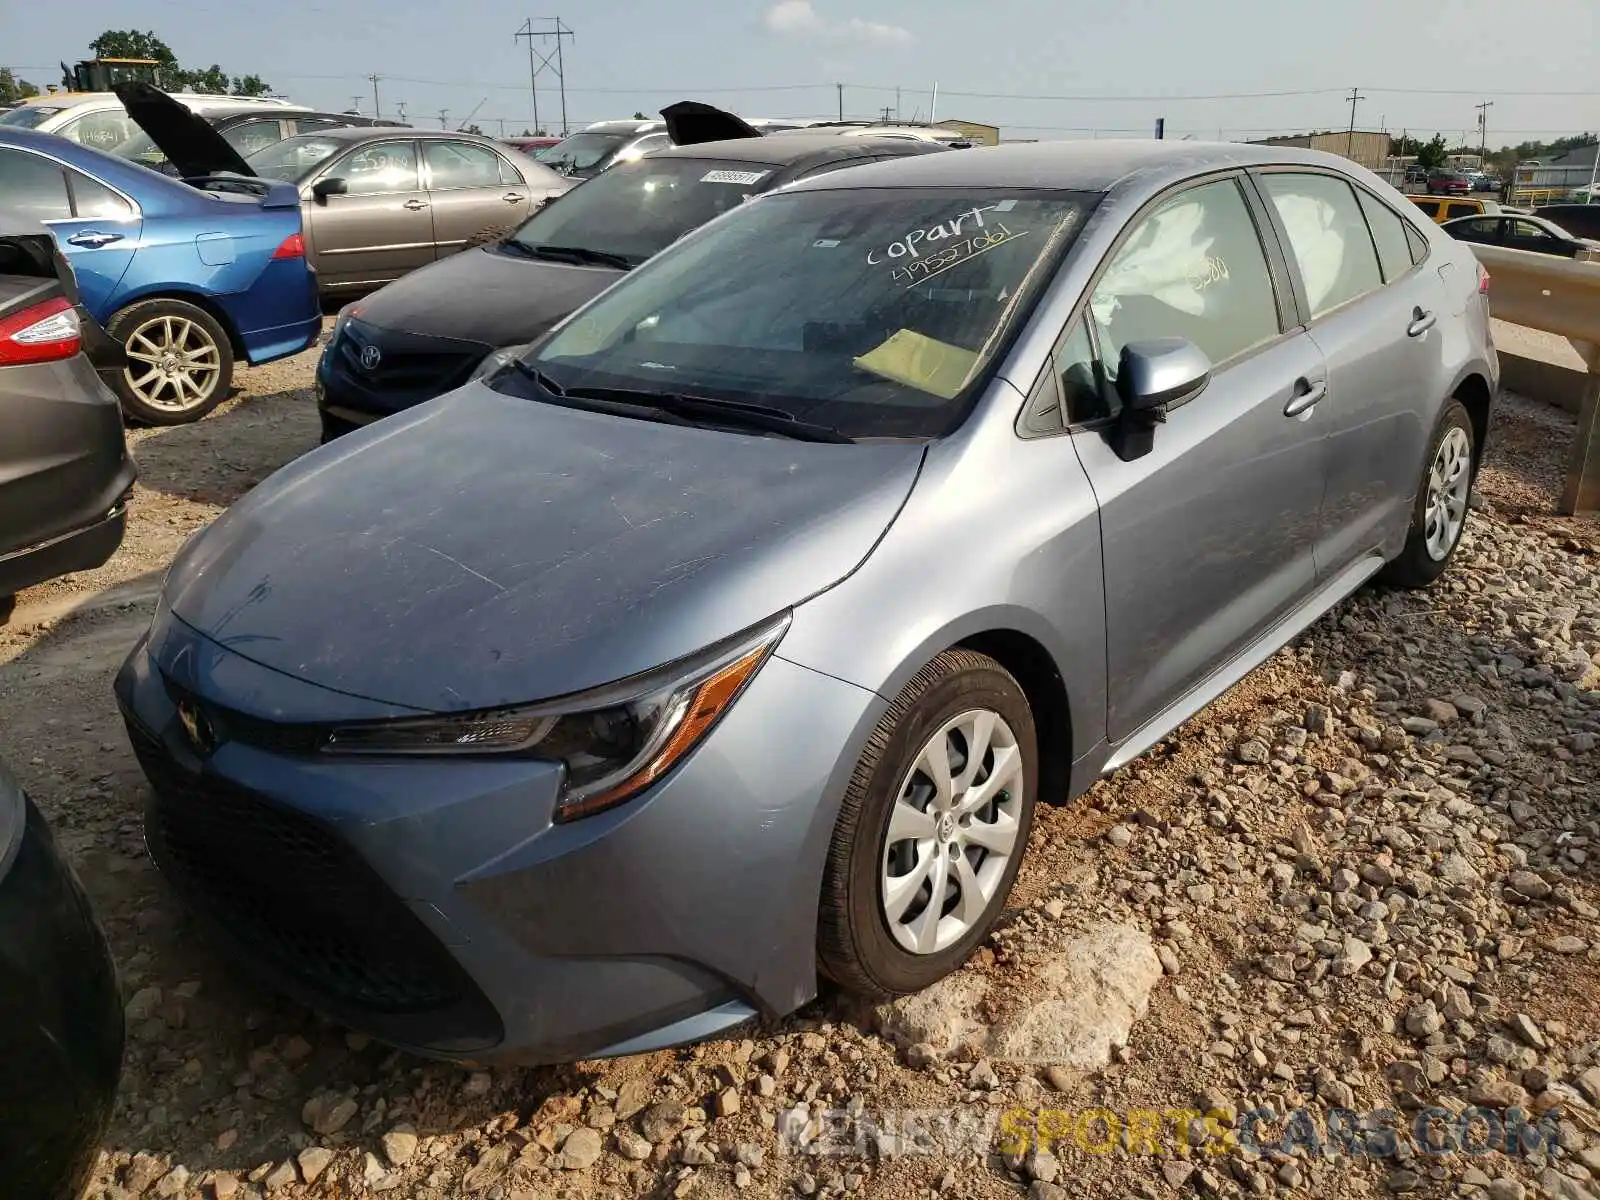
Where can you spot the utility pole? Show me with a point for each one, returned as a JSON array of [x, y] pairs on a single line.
[[1350, 137], [355, 104], [502, 121], [444, 113], [840, 86], [885, 110], [1483, 132], [897, 102], [401, 106], [539, 61], [376, 111]]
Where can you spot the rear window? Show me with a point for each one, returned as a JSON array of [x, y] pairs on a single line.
[[30, 116], [582, 151], [637, 210]]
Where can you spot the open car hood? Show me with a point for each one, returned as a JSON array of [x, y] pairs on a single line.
[[689, 123], [187, 139]]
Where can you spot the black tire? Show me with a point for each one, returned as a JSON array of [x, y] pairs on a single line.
[[1416, 566], [855, 947], [493, 235], [135, 326]]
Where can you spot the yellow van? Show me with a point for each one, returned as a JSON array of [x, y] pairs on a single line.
[[1444, 208]]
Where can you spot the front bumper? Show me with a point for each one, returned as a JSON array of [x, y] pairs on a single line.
[[61, 1027], [434, 904]]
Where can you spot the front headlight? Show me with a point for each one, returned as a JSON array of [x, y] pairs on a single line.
[[345, 313], [614, 741], [497, 360]]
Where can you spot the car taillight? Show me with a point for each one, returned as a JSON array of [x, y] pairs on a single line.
[[1483, 280], [41, 333], [293, 246]]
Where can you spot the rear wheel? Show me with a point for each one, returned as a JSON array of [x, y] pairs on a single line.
[[932, 829], [180, 362], [1439, 514]]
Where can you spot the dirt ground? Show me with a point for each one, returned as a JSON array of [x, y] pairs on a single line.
[[1229, 860]]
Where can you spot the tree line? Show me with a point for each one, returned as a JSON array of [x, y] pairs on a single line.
[[171, 76]]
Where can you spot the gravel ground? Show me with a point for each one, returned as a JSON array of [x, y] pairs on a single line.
[[1366, 879]]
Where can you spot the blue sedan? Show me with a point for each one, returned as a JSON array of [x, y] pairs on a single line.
[[189, 277]]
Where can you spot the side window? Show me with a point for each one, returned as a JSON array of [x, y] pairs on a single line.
[[453, 165], [104, 130], [33, 187], [1419, 242], [1081, 393], [1389, 232], [655, 141], [1527, 229], [1429, 208], [383, 167], [509, 175], [1483, 227], [1460, 210], [312, 124], [1328, 236], [91, 198], [250, 136], [1193, 269]]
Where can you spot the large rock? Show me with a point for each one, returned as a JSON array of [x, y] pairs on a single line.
[[942, 1016], [1097, 985]]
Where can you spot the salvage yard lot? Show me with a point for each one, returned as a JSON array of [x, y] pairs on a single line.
[[1365, 879]]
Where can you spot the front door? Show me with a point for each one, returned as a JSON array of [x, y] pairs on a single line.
[[1210, 536], [380, 227], [1380, 314], [471, 191]]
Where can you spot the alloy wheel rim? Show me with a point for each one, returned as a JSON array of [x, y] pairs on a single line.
[[1449, 488], [952, 832], [176, 365]]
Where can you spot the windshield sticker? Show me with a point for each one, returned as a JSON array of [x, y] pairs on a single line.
[[944, 231], [950, 257], [921, 362], [741, 177]]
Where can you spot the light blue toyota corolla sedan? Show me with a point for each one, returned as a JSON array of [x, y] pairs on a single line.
[[728, 638]]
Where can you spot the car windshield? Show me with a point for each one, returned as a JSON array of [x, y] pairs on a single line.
[[876, 313], [294, 158], [582, 151], [637, 210], [30, 116]]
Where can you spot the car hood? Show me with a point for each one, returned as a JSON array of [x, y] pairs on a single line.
[[188, 140], [483, 550], [690, 122], [484, 295]]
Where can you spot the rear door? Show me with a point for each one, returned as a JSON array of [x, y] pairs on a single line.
[[1381, 318], [381, 227], [97, 228], [471, 189]]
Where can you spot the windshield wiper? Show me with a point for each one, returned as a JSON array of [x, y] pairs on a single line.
[[575, 254]]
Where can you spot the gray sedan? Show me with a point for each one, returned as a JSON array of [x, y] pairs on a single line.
[[380, 202], [731, 634]]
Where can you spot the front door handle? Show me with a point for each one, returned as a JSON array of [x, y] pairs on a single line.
[[94, 239], [513, 198], [1421, 322], [415, 205], [1304, 401]]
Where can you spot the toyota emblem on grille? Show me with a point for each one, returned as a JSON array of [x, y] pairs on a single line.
[[371, 356], [202, 738]]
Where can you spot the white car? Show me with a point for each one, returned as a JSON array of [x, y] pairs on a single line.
[[98, 119]]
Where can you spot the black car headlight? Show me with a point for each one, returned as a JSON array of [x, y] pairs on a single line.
[[613, 741]]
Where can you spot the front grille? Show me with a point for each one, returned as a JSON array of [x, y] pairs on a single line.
[[288, 891], [428, 369], [231, 725]]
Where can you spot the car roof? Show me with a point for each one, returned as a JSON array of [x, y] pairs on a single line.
[[356, 133], [1145, 166], [792, 147], [623, 126]]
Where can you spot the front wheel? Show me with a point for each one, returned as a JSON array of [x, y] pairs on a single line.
[[180, 363], [932, 829], [1439, 514]]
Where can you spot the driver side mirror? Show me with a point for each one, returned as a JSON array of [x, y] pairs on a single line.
[[1153, 376], [332, 186]]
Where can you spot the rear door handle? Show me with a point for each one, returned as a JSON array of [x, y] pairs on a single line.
[[1304, 401], [94, 239], [415, 205], [513, 198], [1421, 322]]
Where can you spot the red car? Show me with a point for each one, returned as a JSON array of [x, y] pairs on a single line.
[[529, 144], [1447, 183]]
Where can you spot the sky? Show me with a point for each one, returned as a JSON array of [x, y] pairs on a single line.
[[1046, 69]]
